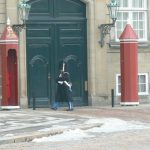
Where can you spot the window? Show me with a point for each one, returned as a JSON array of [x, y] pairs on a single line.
[[142, 84], [136, 12], [118, 84]]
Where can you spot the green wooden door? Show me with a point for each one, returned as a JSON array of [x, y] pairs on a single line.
[[40, 64], [56, 30]]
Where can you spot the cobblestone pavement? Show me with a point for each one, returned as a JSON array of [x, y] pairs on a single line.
[[24, 125], [28, 121], [138, 113]]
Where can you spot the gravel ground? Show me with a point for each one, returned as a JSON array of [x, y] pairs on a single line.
[[126, 140]]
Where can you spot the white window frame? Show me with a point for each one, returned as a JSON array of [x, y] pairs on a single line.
[[147, 88], [139, 93], [130, 11], [117, 84]]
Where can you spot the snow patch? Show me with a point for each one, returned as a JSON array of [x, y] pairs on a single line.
[[116, 125], [66, 136], [8, 135], [109, 125], [54, 127]]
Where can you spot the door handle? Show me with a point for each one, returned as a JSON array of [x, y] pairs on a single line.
[[49, 76], [86, 85]]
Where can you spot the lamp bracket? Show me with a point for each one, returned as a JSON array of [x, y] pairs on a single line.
[[104, 30], [18, 27]]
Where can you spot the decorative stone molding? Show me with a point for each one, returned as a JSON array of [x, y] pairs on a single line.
[[90, 46]]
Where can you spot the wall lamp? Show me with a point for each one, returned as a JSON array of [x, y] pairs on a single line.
[[23, 10], [105, 28]]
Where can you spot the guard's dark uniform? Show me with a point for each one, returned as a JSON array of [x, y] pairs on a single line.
[[64, 92]]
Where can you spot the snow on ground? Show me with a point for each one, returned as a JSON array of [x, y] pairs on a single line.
[[8, 135], [109, 125], [115, 125], [69, 135], [54, 127]]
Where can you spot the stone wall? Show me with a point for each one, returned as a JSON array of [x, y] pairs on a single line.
[[2, 25], [2, 15]]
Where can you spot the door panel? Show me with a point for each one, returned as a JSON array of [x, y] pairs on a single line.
[[57, 10], [39, 71], [39, 64], [75, 8], [71, 39]]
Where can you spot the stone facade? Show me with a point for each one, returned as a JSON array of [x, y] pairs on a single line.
[[2, 25], [103, 63]]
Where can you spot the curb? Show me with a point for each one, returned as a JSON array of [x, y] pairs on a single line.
[[28, 138]]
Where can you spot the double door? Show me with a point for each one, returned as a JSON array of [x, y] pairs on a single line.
[[47, 44]]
